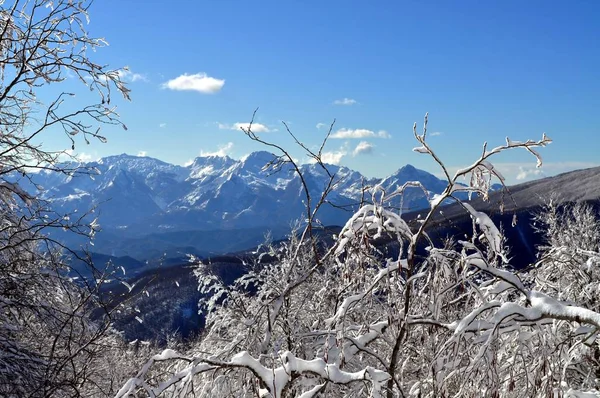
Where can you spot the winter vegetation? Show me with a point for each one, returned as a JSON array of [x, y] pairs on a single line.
[[435, 318], [48, 344], [454, 319]]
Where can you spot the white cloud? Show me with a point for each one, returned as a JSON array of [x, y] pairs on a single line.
[[333, 157], [71, 155], [359, 133], [436, 133], [162, 125], [256, 127], [224, 150], [199, 82], [363, 147], [353, 133], [320, 125], [142, 153], [84, 157], [344, 101], [525, 173], [127, 75]]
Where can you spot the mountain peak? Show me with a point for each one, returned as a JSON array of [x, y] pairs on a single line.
[[204, 166], [213, 156], [212, 159], [124, 157], [258, 156], [113, 158], [411, 173], [409, 170], [255, 161]]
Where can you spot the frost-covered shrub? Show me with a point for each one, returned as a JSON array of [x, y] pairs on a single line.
[[350, 321], [48, 345]]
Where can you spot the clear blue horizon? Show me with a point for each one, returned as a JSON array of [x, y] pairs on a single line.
[[483, 71]]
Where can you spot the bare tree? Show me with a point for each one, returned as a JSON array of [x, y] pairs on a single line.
[[48, 346]]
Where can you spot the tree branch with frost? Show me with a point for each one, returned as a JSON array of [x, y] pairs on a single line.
[[479, 183], [273, 380], [47, 316], [286, 158], [435, 324], [528, 145], [351, 301], [307, 237], [425, 148], [489, 230]]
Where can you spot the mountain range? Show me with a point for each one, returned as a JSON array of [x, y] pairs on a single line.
[[148, 208]]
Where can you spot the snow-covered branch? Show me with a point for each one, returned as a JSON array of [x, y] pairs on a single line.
[[389, 311]]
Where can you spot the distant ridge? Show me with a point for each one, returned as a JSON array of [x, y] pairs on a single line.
[[142, 195], [573, 186]]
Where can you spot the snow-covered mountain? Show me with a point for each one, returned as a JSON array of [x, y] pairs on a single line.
[[142, 196], [147, 195]]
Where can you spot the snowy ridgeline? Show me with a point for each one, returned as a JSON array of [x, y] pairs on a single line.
[[141, 195]]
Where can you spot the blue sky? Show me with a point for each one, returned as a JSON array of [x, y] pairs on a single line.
[[483, 71]]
